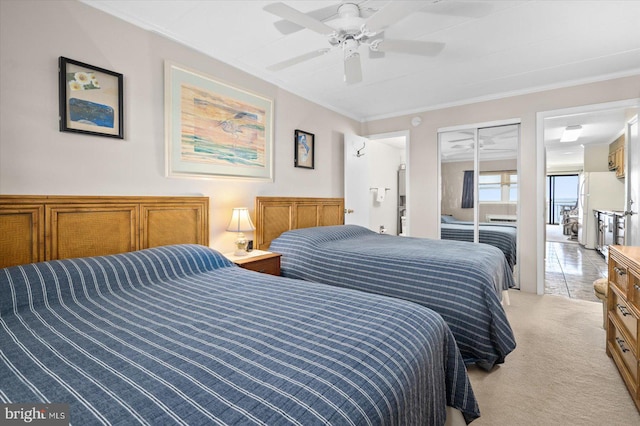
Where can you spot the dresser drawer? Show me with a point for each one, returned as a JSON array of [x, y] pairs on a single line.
[[618, 275], [622, 350], [625, 316], [634, 288]]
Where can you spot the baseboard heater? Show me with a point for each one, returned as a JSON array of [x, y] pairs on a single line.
[[501, 218]]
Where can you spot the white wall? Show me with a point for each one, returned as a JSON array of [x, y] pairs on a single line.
[[424, 209], [35, 158], [596, 158]]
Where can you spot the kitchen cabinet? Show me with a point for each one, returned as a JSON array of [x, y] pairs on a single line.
[[616, 157]]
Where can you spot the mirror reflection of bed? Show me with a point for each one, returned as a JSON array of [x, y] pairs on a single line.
[[493, 151], [501, 234]]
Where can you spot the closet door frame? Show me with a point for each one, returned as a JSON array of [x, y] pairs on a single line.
[[475, 128]]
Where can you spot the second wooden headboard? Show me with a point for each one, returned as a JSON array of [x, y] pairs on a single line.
[[275, 215]]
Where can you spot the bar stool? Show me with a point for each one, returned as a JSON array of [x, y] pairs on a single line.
[[600, 287]]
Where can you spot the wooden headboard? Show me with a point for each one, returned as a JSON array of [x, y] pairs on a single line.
[[275, 215], [35, 228]]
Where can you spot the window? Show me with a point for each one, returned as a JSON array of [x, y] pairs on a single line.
[[498, 187], [562, 194]]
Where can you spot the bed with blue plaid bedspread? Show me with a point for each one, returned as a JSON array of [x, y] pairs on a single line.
[[461, 281], [503, 236], [180, 335]]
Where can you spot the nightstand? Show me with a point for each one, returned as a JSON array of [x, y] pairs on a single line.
[[258, 260]]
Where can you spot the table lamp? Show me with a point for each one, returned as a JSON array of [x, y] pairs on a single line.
[[240, 223]]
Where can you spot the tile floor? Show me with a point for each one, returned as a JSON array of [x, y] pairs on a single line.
[[570, 269]]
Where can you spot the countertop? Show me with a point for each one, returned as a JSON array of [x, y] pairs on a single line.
[[616, 212]]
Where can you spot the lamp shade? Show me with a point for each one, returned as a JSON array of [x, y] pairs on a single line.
[[240, 221]]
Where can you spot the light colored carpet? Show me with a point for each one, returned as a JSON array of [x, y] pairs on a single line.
[[559, 373]]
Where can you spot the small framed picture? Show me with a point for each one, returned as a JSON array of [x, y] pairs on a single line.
[[304, 149], [90, 99]]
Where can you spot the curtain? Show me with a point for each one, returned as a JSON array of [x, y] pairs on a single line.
[[467, 190]]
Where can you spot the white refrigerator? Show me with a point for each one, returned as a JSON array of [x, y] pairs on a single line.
[[598, 191]]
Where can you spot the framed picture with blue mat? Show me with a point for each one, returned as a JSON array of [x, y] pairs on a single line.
[[90, 99], [304, 151]]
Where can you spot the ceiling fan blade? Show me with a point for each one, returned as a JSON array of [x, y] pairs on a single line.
[[296, 60], [509, 131], [392, 13], [372, 41], [287, 27], [414, 47], [352, 69], [298, 18], [376, 54], [460, 140], [463, 146]]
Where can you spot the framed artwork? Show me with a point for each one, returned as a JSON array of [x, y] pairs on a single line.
[[215, 130], [90, 99], [304, 149]]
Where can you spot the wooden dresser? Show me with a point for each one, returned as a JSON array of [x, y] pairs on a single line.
[[623, 311]]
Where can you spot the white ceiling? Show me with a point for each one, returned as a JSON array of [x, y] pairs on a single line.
[[598, 128], [492, 48]]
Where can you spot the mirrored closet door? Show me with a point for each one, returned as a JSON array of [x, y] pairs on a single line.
[[479, 184]]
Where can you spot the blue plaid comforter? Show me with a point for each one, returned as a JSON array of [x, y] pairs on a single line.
[[461, 281], [179, 335], [502, 236]]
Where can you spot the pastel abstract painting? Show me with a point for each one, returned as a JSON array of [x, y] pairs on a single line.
[[218, 129], [213, 129]]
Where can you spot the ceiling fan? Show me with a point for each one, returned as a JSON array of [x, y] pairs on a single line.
[[462, 151], [351, 30], [507, 135], [368, 7], [482, 146]]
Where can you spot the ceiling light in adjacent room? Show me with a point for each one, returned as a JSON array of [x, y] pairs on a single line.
[[571, 134]]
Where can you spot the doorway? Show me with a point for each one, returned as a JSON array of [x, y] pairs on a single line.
[[377, 190], [586, 157]]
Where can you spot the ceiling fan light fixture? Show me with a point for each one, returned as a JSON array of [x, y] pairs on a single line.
[[349, 20], [571, 133], [350, 48], [352, 66], [374, 46]]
